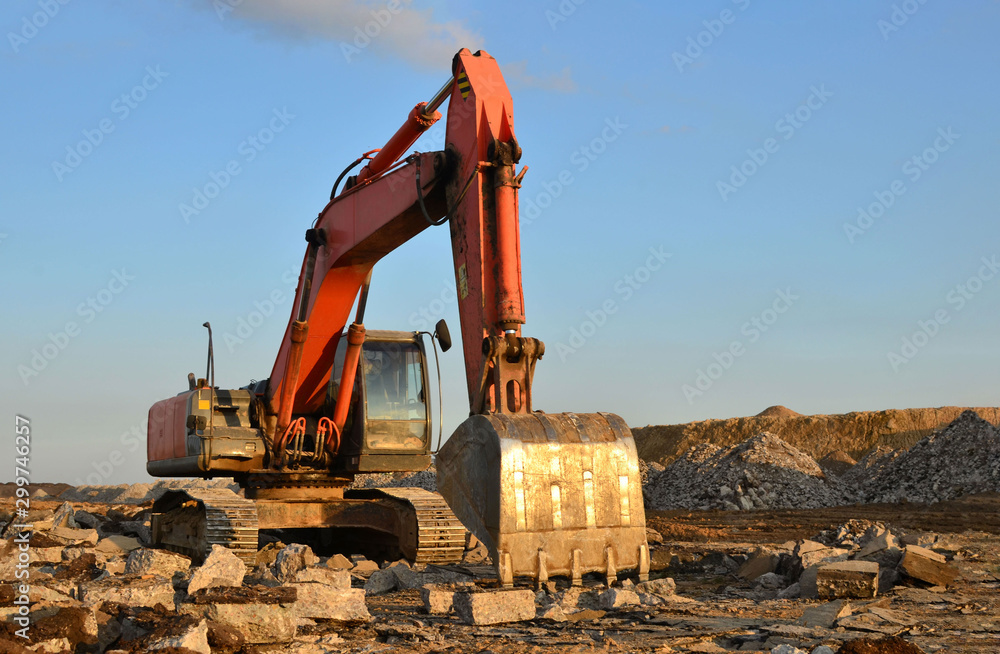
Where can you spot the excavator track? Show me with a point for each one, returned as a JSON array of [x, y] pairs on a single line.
[[440, 537], [191, 521]]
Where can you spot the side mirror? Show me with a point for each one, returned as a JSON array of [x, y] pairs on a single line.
[[443, 335]]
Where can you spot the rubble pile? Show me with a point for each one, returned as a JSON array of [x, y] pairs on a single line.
[[962, 459], [426, 479], [138, 493], [765, 472], [858, 560], [762, 472]]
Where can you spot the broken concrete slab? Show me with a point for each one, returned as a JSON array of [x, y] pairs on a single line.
[[364, 567], [663, 587], [147, 561], [194, 638], [381, 582], [825, 615], [333, 578], [323, 602], [130, 590], [117, 545], [927, 566], [883, 540], [760, 562], [825, 555], [339, 562], [857, 579], [221, 568], [437, 600], [259, 623], [68, 536], [291, 559], [495, 607], [618, 598]]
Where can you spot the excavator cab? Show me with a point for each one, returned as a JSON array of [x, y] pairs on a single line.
[[388, 426]]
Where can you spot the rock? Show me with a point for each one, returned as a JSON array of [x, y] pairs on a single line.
[[927, 566], [323, 602], [478, 555], [194, 638], [223, 638], [258, 623], [117, 545], [46, 554], [770, 581], [146, 561], [662, 587], [334, 578], [291, 559], [857, 579], [381, 582], [825, 555], [792, 592], [823, 649], [760, 562], [339, 562], [63, 517], [221, 568], [437, 600], [67, 536], [882, 541], [267, 554], [651, 600], [364, 567], [553, 612], [616, 598], [787, 649], [495, 607], [824, 615], [836, 463], [131, 591], [576, 597]]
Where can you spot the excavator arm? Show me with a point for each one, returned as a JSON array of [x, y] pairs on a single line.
[[474, 185]]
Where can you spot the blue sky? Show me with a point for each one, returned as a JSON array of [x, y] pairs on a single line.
[[692, 237]]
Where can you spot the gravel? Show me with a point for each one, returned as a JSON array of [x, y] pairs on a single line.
[[765, 472]]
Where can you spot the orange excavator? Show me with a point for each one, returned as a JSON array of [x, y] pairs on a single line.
[[548, 494]]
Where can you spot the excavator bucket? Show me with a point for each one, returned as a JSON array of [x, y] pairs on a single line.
[[549, 494]]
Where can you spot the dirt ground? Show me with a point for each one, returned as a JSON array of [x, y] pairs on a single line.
[[718, 612], [715, 611]]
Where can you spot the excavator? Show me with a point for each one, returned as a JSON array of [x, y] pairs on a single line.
[[549, 494]]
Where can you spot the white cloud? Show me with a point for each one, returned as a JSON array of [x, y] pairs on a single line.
[[361, 28]]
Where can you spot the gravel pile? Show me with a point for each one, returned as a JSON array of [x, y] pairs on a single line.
[[426, 479], [762, 472], [139, 493], [765, 472], [962, 459]]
